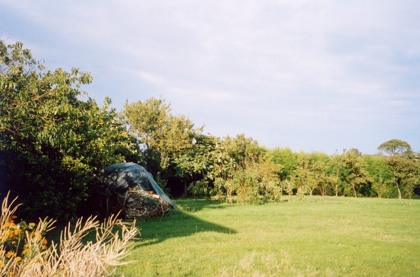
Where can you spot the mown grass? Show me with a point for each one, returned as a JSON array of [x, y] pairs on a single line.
[[314, 237]]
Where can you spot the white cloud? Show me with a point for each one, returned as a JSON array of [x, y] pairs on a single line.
[[299, 67]]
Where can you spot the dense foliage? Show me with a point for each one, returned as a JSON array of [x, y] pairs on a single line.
[[188, 162], [53, 146]]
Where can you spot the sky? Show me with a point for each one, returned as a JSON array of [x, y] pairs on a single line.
[[314, 76]]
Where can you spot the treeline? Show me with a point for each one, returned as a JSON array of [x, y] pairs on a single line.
[[187, 162], [54, 145]]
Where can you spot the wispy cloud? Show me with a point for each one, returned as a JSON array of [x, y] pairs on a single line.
[[290, 73]]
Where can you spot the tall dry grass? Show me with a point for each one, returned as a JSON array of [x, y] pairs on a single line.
[[70, 257]]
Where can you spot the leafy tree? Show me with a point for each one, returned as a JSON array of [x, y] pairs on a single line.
[[268, 174], [244, 151], [198, 165], [240, 165], [163, 137], [258, 182], [311, 172], [396, 147], [333, 171], [405, 174], [224, 171], [353, 175], [53, 145], [380, 172], [228, 167], [288, 160], [402, 164]]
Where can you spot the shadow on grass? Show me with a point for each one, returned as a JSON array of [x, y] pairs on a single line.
[[178, 223], [193, 205]]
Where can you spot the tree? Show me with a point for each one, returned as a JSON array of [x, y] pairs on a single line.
[[245, 151], [268, 174], [405, 174], [403, 165], [53, 145], [380, 172], [258, 182], [163, 137], [197, 166], [224, 170], [311, 172], [395, 147], [351, 173], [288, 160], [333, 171]]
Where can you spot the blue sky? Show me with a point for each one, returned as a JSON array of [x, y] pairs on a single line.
[[309, 75]]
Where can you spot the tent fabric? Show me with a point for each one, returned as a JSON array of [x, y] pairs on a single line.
[[136, 186]]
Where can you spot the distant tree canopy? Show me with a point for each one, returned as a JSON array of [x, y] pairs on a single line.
[[396, 147], [188, 162], [53, 146]]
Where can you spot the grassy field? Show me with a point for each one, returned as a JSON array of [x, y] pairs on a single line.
[[313, 237]]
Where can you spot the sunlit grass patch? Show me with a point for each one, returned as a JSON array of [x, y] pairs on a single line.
[[316, 237]]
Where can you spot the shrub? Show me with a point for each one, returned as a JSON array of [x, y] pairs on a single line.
[[52, 144], [24, 251]]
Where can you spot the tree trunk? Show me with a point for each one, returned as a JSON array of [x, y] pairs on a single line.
[[354, 190], [336, 184], [396, 183], [229, 196]]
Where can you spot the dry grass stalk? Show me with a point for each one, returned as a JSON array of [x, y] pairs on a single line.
[[71, 257]]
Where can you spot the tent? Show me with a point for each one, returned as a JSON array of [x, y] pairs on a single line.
[[134, 191]]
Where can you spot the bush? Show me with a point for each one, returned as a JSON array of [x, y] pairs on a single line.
[[52, 144], [24, 251]]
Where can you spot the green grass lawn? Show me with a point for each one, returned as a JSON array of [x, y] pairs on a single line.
[[315, 237]]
